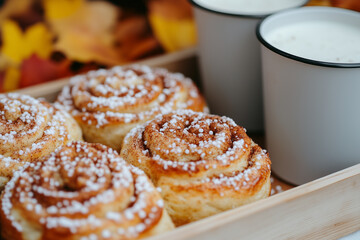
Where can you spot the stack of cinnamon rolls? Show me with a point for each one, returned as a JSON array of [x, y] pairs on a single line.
[[124, 153]]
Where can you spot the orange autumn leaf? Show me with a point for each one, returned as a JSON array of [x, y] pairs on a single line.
[[18, 45], [319, 3], [46, 70], [81, 48], [349, 4], [87, 35]]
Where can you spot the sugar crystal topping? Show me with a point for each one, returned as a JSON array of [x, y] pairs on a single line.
[[208, 148], [83, 185], [126, 94], [27, 126]]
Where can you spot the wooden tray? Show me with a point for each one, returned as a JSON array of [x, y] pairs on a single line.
[[327, 208]]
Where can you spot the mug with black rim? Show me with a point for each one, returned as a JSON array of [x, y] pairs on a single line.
[[229, 55], [311, 85]]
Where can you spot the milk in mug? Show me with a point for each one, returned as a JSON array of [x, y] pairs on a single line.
[[249, 7], [320, 40]]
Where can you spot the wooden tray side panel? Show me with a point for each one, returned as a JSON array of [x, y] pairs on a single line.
[[328, 208]]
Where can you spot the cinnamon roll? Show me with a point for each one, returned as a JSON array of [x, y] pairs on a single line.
[[29, 130], [81, 191], [109, 103], [204, 164]]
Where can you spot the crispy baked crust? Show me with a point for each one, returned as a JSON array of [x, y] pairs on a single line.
[[204, 164], [81, 191], [109, 103], [29, 130]]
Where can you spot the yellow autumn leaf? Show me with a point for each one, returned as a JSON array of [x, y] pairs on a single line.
[[18, 45], [173, 34], [13, 39], [56, 9], [38, 40], [172, 23], [11, 79]]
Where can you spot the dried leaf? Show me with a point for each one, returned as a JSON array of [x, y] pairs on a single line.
[[38, 41], [142, 48], [94, 17], [13, 39], [55, 9], [175, 9], [11, 79], [173, 34], [2, 78], [14, 7], [87, 35], [319, 3], [18, 45], [4, 63], [134, 38], [46, 70], [349, 4], [82, 48], [132, 29], [172, 23]]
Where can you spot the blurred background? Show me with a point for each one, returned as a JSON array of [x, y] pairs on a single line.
[[44, 40]]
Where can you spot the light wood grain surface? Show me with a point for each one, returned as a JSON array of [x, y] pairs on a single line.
[[327, 208]]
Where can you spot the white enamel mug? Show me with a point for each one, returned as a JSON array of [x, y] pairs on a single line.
[[311, 85], [229, 56]]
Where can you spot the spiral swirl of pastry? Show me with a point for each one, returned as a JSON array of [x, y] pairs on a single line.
[[109, 103], [204, 164], [82, 191], [29, 130]]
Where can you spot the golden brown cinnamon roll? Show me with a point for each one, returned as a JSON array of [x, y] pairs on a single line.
[[81, 191], [204, 164], [109, 103], [29, 130]]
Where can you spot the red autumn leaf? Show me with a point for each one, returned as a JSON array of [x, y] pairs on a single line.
[[2, 76], [350, 4], [35, 70]]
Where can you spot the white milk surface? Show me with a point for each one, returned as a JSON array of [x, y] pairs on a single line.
[[249, 6], [326, 41]]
